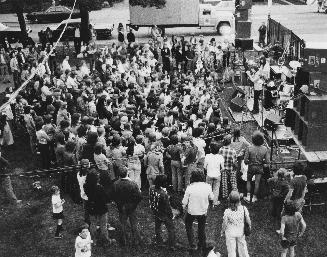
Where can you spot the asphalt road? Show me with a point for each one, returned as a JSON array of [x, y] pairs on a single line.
[[302, 17]]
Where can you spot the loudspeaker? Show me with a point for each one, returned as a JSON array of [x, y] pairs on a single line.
[[243, 29], [315, 110], [242, 15], [290, 118], [244, 43], [239, 92], [314, 137], [244, 4], [237, 104], [272, 122]]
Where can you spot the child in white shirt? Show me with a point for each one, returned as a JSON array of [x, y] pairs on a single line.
[[57, 210], [83, 243]]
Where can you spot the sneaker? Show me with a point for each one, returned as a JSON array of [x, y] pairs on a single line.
[[58, 236], [247, 199], [254, 199]]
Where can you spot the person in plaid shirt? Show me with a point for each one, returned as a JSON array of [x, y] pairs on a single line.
[[229, 173]]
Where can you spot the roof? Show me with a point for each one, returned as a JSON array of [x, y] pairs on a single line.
[[58, 8], [306, 23]]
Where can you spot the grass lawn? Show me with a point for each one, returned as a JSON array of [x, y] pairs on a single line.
[[28, 231]]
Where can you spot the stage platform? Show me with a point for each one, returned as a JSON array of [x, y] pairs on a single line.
[[312, 156]]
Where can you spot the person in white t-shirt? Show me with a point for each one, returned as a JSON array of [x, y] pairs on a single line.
[[83, 242], [57, 210], [81, 178], [196, 203], [213, 164], [66, 65]]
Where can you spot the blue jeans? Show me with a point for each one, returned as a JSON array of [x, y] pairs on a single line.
[[201, 219], [177, 175]]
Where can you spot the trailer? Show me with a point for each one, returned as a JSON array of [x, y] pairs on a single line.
[[186, 13], [305, 41]]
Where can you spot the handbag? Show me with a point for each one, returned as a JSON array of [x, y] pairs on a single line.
[[247, 228]]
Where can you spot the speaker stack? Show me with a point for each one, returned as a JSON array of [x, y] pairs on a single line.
[[243, 25], [311, 122]]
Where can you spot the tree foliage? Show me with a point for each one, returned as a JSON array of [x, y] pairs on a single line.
[[148, 3]]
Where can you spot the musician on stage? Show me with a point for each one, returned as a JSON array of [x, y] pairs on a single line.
[[257, 79]]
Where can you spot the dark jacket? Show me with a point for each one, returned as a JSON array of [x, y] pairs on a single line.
[[97, 200], [159, 204], [126, 195]]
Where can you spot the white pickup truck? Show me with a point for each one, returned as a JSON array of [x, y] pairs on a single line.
[[218, 14]]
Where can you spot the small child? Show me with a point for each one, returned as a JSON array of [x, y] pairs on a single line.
[[57, 209], [279, 187], [290, 229], [103, 164], [210, 250], [83, 242]]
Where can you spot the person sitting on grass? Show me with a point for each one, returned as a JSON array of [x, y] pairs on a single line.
[[292, 227], [83, 242], [57, 209]]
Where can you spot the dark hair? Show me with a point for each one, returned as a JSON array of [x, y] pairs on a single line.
[[75, 118], [60, 138], [160, 181], [257, 138], [70, 146], [116, 141], [98, 148], [298, 168], [64, 124], [123, 171], [27, 109], [174, 139], [236, 134], [92, 138], [197, 132], [290, 208], [197, 176], [81, 131], [214, 147]]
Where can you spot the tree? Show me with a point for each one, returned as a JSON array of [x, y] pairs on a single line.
[[148, 3], [85, 21]]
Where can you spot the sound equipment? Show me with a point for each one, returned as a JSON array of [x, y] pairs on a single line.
[[244, 43], [237, 104], [245, 4], [290, 118], [242, 15], [314, 137], [243, 29], [313, 109], [311, 122], [239, 92], [315, 60], [316, 109], [272, 121]]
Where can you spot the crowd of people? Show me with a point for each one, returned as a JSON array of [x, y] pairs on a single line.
[[135, 118]]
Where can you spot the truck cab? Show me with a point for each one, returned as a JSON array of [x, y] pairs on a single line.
[[218, 14]]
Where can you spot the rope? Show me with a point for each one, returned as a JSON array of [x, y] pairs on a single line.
[[15, 94]]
